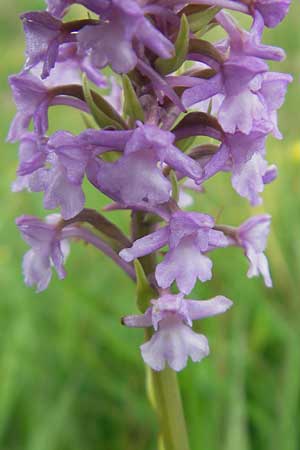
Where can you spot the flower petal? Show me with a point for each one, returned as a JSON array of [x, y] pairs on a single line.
[[146, 245], [174, 345], [198, 309], [184, 264]]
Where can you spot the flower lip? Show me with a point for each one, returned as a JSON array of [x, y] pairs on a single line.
[[174, 340]]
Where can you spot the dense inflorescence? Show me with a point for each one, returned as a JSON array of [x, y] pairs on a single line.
[[169, 86]]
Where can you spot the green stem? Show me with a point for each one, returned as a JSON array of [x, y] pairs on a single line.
[[163, 386], [168, 407]]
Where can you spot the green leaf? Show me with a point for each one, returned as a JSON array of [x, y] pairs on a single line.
[[87, 120], [206, 29], [175, 186], [209, 109], [200, 20], [132, 107], [101, 110], [185, 144], [150, 387], [144, 292], [166, 66]]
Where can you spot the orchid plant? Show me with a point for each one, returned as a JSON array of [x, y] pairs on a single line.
[[181, 109]]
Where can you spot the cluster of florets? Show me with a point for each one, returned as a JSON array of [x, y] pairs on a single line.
[[142, 148]]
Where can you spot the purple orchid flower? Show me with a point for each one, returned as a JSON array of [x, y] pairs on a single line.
[[133, 180], [110, 43], [250, 178], [55, 166], [46, 251], [242, 42], [136, 178], [63, 180], [69, 158], [239, 81], [59, 8], [272, 94], [70, 66], [236, 149], [272, 11], [48, 42], [252, 235], [174, 341], [32, 158], [189, 235], [258, 105], [243, 156], [59, 191], [32, 153], [33, 98], [238, 96], [44, 35]]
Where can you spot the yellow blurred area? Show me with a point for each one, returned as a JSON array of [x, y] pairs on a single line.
[[295, 151]]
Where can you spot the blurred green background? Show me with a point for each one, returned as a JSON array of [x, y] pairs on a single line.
[[71, 377]]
